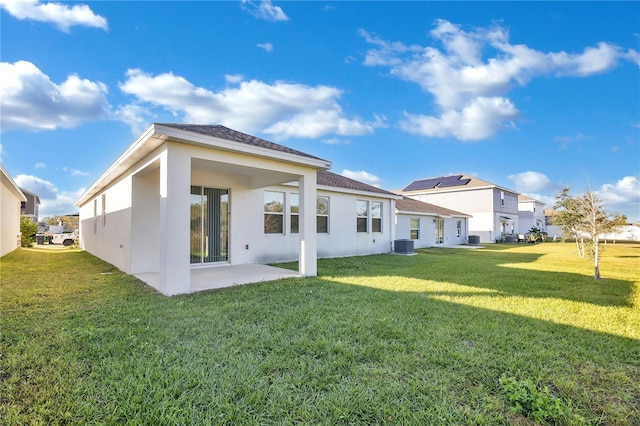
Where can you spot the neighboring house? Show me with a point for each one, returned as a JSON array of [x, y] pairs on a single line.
[[10, 198], [493, 209], [531, 214], [31, 207], [189, 196], [429, 225]]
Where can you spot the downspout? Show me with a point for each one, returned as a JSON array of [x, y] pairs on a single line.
[[392, 224]]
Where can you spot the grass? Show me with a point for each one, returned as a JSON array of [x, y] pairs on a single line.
[[510, 334]]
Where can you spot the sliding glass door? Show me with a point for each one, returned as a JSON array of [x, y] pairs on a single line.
[[209, 225]]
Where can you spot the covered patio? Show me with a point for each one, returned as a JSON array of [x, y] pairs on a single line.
[[211, 278]]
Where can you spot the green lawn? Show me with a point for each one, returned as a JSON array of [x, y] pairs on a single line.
[[509, 334]]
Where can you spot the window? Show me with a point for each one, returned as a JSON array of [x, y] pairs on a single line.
[[294, 210], [458, 228], [322, 215], [273, 212], [439, 230], [502, 198], [104, 209], [414, 229], [376, 216], [95, 215], [362, 213]]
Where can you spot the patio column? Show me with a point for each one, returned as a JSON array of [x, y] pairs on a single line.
[[307, 258], [175, 181]]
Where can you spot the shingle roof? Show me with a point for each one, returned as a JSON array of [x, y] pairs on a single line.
[[450, 183], [327, 178], [523, 198], [411, 205], [437, 182], [222, 132]]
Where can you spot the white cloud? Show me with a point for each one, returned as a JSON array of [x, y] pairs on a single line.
[[531, 182], [268, 47], [135, 116], [75, 172], [624, 191], [480, 119], [60, 15], [363, 176], [31, 101], [622, 197], [548, 200], [469, 74], [40, 165], [265, 10], [280, 109], [565, 141], [53, 201], [234, 78]]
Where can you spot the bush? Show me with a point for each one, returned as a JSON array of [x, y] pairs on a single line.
[[28, 229]]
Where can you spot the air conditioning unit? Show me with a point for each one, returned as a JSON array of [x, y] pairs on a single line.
[[403, 247]]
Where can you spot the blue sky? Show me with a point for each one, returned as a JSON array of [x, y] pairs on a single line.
[[531, 96]]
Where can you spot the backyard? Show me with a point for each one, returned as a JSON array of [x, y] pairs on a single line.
[[508, 334]]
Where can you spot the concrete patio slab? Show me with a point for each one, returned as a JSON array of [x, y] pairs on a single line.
[[215, 277]]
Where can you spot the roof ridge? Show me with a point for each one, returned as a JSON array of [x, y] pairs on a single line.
[[227, 133]]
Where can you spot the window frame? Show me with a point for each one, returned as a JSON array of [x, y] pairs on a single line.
[[413, 228], [104, 210], [362, 218], [376, 216], [322, 215], [439, 230], [273, 213], [293, 214]]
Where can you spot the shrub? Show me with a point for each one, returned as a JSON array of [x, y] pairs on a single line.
[[28, 229]]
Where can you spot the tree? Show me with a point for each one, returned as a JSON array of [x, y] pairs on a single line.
[[28, 229], [584, 218], [567, 217]]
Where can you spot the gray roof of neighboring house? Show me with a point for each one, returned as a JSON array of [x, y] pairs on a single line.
[[450, 183], [411, 205], [222, 132], [524, 198], [327, 178], [437, 182], [35, 196]]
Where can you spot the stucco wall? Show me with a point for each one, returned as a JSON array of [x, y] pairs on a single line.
[[428, 230], [529, 218], [10, 215], [105, 229]]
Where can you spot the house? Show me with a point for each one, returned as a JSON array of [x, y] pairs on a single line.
[[429, 225], [10, 199], [531, 214], [31, 207], [493, 209], [186, 202]]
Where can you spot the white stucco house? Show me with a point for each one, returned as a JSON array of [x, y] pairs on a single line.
[[11, 198], [531, 214], [493, 209], [184, 201], [429, 225]]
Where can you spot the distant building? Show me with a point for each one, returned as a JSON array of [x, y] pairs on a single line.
[[31, 207], [531, 214], [493, 209]]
